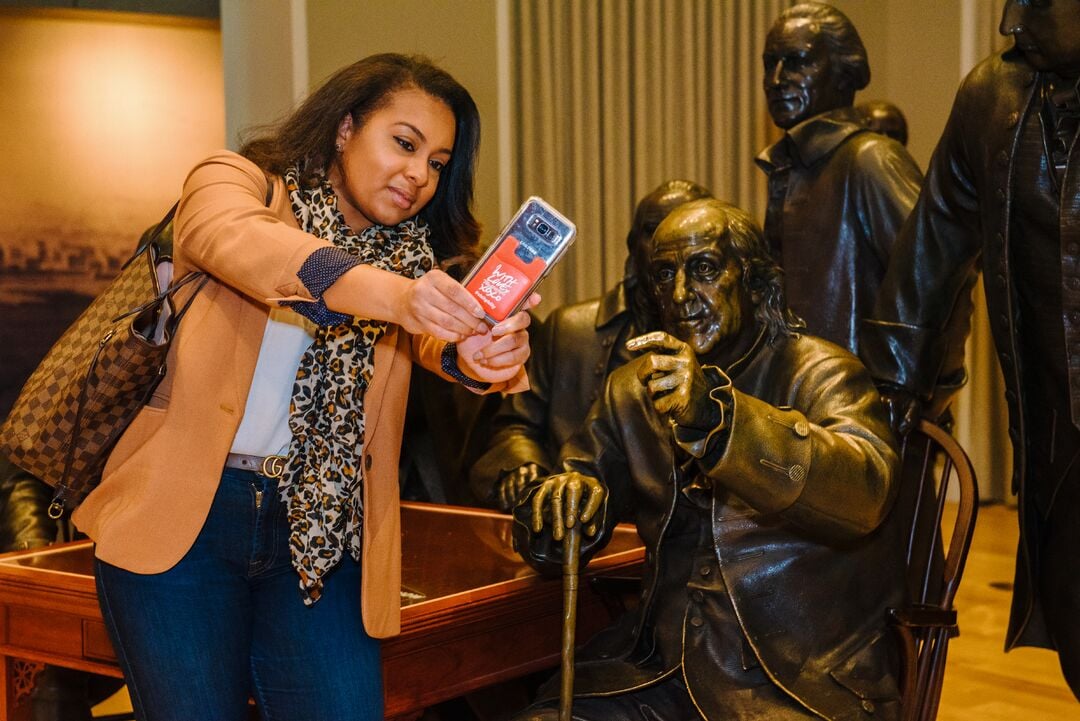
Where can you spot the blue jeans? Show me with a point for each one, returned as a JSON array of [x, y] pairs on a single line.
[[227, 623]]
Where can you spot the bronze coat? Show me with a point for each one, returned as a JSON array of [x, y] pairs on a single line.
[[838, 195], [961, 224], [813, 565]]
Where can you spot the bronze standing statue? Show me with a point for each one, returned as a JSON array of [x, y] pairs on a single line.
[[573, 351], [1003, 194], [837, 193], [759, 468]]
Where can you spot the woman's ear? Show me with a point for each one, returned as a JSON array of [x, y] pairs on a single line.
[[345, 128]]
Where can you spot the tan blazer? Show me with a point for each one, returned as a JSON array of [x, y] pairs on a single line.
[[160, 480]]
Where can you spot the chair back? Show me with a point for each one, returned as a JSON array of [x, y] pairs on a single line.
[[932, 464]]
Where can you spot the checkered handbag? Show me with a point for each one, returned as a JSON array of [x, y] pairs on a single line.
[[96, 378]]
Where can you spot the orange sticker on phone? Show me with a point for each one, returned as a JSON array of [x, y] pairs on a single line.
[[499, 284]]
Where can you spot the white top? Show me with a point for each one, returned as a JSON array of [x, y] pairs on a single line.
[[264, 429]]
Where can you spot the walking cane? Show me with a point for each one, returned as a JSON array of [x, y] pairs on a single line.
[[571, 553]]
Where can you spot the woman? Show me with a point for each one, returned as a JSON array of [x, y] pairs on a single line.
[[321, 240]]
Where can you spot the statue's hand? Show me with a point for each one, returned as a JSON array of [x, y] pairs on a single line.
[[674, 379], [508, 490], [903, 406], [566, 500]]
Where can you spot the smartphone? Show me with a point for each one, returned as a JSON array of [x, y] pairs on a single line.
[[519, 258]]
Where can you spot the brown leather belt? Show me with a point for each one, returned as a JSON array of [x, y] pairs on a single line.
[[269, 466]]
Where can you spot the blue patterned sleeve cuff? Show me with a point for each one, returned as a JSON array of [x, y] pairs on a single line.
[[320, 271], [450, 368]]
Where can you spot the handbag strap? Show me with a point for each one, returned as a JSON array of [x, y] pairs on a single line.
[[149, 238]]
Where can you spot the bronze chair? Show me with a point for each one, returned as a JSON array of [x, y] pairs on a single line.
[[932, 463]]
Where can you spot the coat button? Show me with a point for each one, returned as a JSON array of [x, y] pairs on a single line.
[[698, 596], [367, 462], [599, 369], [797, 473], [1012, 120], [1005, 358], [802, 429], [1003, 159], [696, 622], [1000, 194], [868, 705], [607, 341], [705, 570]]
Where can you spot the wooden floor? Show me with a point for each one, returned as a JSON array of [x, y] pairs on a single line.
[[982, 682]]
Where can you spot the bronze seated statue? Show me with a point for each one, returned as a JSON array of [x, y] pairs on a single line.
[[759, 466]]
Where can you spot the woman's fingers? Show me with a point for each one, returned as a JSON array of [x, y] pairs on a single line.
[[443, 308]]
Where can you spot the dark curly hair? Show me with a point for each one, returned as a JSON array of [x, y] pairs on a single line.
[[307, 137]]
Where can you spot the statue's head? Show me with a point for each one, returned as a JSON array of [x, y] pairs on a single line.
[[652, 209], [883, 117], [713, 282], [814, 62], [1047, 32]]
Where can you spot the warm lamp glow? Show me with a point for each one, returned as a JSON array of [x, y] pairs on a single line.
[[103, 118]]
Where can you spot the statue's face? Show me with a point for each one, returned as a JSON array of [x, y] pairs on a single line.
[[698, 286], [1047, 32], [801, 79]]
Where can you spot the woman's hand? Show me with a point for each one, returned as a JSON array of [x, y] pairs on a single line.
[[497, 355], [439, 306]]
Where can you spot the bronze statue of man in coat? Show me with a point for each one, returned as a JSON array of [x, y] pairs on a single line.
[[1002, 194], [759, 467]]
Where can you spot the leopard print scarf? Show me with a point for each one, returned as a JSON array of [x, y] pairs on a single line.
[[323, 481]]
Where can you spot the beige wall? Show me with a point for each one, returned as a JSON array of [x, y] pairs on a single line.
[[260, 58], [914, 50], [103, 115]]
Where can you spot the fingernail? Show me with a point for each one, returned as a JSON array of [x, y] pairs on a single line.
[[477, 357], [478, 311]]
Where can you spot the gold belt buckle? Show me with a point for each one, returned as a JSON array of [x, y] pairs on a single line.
[[273, 466]]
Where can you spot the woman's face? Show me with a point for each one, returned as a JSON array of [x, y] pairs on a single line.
[[389, 167]]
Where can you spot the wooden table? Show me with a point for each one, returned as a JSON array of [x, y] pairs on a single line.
[[473, 613]]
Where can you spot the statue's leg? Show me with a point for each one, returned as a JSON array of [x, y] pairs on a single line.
[[1059, 582]]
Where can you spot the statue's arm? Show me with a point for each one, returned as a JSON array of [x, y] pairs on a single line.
[[597, 452], [936, 252], [518, 449], [825, 463]]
